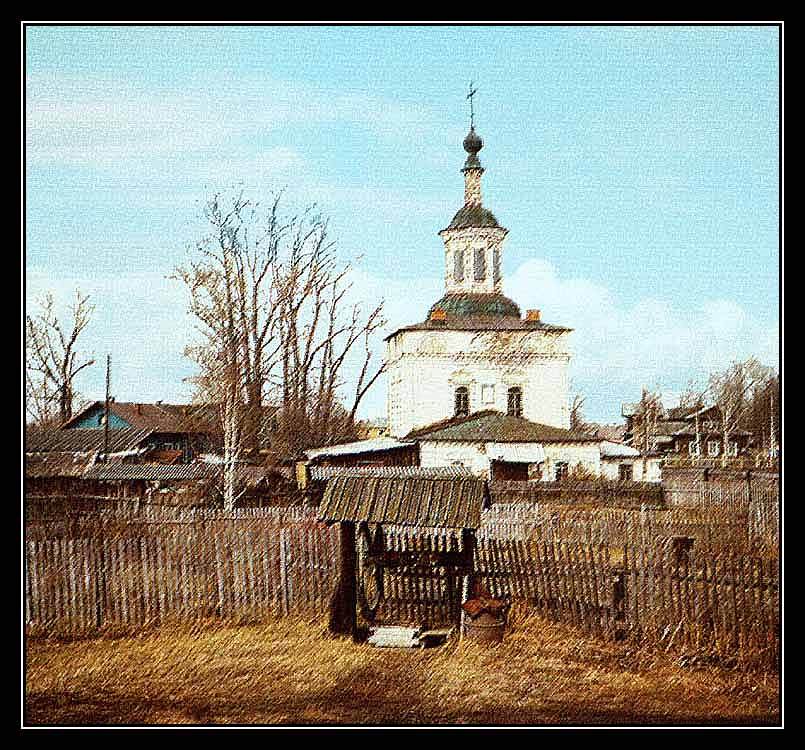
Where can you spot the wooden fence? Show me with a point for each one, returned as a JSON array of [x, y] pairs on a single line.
[[600, 493], [129, 575], [248, 565]]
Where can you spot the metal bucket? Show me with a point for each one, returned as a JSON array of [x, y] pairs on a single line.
[[485, 628]]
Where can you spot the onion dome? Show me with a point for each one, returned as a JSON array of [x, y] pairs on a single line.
[[472, 145]]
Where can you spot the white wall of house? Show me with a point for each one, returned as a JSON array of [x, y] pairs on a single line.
[[474, 457], [586, 456], [426, 367], [444, 453], [644, 469]]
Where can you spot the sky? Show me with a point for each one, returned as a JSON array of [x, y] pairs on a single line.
[[636, 169]]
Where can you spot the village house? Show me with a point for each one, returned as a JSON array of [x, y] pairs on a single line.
[[177, 433], [684, 432]]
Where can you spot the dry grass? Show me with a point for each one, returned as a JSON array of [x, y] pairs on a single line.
[[292, 672]]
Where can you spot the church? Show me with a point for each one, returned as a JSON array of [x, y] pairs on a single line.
[[478, 384]]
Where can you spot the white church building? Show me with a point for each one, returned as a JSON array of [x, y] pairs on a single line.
[[477, 384]]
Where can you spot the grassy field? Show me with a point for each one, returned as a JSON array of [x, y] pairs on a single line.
[[291, 672]]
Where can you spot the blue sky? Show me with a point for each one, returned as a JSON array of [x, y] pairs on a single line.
[[635, 168]]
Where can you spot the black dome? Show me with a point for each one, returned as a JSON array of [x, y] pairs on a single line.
[[473, 143], [468, 304]]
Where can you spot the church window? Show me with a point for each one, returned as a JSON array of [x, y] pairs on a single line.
[[458, 265], [496, 265], [462, 401], [693, 448], [515, 404], [480, 264], [713, 447]]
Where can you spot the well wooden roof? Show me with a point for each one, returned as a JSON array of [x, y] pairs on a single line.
[[454, 502]]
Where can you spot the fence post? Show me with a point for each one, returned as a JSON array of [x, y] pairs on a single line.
[[285, 577], [619, 601]]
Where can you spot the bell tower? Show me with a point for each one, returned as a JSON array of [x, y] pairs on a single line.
[[474, 240]]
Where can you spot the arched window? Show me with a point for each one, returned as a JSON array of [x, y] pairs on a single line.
[[479, 266], [458, 265], [515, 406], [462, 401]]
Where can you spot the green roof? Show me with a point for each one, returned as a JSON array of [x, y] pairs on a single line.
[[467, 304], [496, 427], [473, 216]]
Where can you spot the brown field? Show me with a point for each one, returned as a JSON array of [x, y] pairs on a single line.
[[291, 672]]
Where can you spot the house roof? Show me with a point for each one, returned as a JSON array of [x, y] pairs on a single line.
[[119, 471], [610, 449], [495, 427], [454, 502], [79, 440], [321, 473], [481, 323], [157, 417], [56, 465], [383, 443]]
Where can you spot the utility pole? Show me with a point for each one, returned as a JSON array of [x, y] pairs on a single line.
[[772, 446], [106, 410]]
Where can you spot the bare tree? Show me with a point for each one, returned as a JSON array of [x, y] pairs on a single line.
[[732, 391], [53, 360], [577, 421], [270, 300], [644, 421]]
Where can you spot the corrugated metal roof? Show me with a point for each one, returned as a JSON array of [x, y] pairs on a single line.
[[119, 471], [450, 502], [611, 449], [55, 465], [359, 446], [495, 427], [82, 440], [320, 473]]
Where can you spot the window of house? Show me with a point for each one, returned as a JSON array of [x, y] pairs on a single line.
[[733, 449], [458, 265], [488, 394], [462, 401], [560, 470], [625, 472], [713, 447], [480, 264], [693, 448], [515, 402]]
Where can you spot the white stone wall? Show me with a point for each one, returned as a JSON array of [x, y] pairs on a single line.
[[644, 469], [473, 456], [442, 453], [425, 368], [488, 239], [586, 456]]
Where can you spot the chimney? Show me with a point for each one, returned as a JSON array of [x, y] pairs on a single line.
[[532, 316], [438, 314], [139, 408]]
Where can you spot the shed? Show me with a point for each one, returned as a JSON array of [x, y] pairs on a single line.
[[362, 505], [448, 502]]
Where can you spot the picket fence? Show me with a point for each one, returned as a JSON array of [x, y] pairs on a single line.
[[103, 573]]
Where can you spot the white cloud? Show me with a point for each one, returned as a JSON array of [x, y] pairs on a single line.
[[618, 348]]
